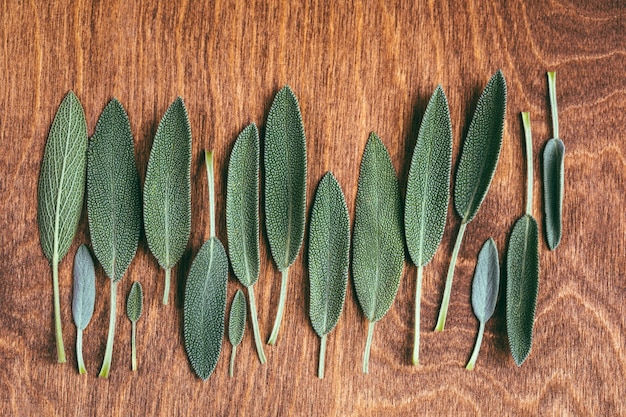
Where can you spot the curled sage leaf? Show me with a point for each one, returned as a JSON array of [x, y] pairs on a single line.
[[236, 326], [84, 298]]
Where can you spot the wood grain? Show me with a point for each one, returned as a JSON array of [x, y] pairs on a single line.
[[356, 67]]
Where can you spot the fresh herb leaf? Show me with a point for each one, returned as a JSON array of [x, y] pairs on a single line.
[[236, 326], [84, 298], [285, 188], [378, 243], [60, 193], [477, 165], [134, 305], [427, 193]]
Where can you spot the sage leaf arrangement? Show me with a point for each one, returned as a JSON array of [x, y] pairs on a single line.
[[84, 298], [553, 178], [60, 193], [167, 190], [285, 188], [477, 165], [378, 242], [205, 296], [242, 218], [484, 292], [427, 193], [134, 306], [113, 204], [522, 268], [329, 253], [236, 326]]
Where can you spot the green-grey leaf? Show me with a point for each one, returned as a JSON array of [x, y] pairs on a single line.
[[84, 288], [553, 167], [237, 318], [378, 247], [242, 206], [329, 248], [486, 282], [285, 178], [481, 149], [428, 185], [205, 307], [134, 302], [113, 192]]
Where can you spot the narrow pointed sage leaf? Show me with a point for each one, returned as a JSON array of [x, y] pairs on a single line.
[[329, 253], [242, 218], [84, 298], [477, 165], [60, 193], [205, 297], [553, 178], [484, 291], [167, 190], [113, 203], [378, 242], [134, 306], [427, 193], [236, 326], [285, 188], [522, 270]]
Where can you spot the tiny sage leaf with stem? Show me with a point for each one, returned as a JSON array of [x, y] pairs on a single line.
[[477, 165], [522, 269], [285, 188], [84, 298], [427, 193], [484, 291], [378, 242], [242, 218], [113, 203], [60, 193], [236, 326], [205, 296], [329, 257], [167, 190], [553, 178], [134, 306]]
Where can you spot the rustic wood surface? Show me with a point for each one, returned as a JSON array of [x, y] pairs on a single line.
[[355, 68]]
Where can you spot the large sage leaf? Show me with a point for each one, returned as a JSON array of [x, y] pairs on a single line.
[[84, 298], [236, 326]]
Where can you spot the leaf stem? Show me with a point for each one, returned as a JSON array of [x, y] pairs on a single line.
[[208, 158], [255, 326], [57, 310], [133, 346], [479, 341], [231, 368], [166, 290], [79, 352], [108, 353], [555, 113], [529, 162], [418, 298], [281, 307], [320, 368], [368, 345], [443, 311]]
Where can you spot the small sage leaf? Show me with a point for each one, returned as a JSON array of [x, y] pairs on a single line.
[[84, 298], [236, 325], [134, 305]]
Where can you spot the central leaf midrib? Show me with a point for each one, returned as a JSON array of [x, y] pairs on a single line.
[[60, 187]]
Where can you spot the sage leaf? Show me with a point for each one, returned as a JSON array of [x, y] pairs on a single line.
[[553, 177], [205, 297], [484, 291], [329, 252], [242, 218], [113, 203], [477, 165], [84, 298], [523, 270], [134, 306], [236, 326], [167, 190], [285, 188], [427, 193], [378, 242], [60, 193]]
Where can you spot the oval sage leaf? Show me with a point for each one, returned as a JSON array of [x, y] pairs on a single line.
[[236, 326], [84, 298], [134, 306]]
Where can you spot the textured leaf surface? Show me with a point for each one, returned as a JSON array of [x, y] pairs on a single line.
[[242, 206], [378, 243], [285, 178], [522, 286], [113, 192], [428, 185], [61, 186], [134, 302], [237, 318], [481, 149], [329, 251], [84, 288], [167, 189], [486, 282], [205, 307], [553, 182]]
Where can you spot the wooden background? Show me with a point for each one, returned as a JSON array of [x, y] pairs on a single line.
[[355, 68]]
